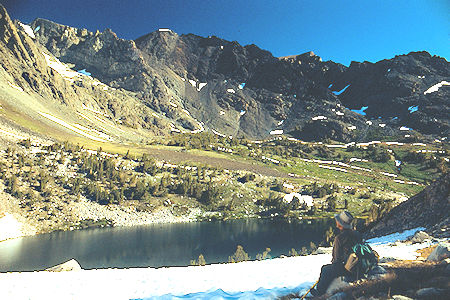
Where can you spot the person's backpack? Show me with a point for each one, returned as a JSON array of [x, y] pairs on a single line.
[[362, 259]]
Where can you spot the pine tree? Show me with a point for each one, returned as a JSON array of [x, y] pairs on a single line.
[[239, 256]]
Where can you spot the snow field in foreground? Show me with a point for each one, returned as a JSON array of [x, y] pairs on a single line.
[[247, 280]]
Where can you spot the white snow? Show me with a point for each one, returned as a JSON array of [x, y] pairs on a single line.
[[280, 123], [436, 87], [333, 168], [218, 133], [351, 128], [201, 85], [231, 91], [303, 199], [362, 169], [278, 131], [193, 82], [360, 111], [10, 228], [394, 237], [267, 279], [382, 125], [369, 122], [353, 159], [288, 185], [413, 108], [341, 91], [84, 72], [164, 30], [221, 113], [319, 118], [339, 113], [61, 68], [388, 174], [404, 128], [242, 112], [68, 126], [270, 159], [28, 30], [15, 87]]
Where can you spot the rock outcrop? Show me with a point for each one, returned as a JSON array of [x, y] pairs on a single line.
[[428, 209], [70, 265]]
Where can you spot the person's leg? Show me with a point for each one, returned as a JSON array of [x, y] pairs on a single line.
[[327, 274]]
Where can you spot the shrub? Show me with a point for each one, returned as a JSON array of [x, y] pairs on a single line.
[[331, 202], [264, 255], [200, 262], [246, 178]]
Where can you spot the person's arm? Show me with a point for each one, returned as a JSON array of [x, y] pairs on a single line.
[[336, 250]]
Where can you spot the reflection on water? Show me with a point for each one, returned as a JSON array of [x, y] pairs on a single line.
[[158, 245]]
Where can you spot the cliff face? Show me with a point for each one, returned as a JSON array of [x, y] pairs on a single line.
[[194, 83], [430, 209]]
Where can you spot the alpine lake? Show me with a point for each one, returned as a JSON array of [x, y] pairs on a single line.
[[160, 245]]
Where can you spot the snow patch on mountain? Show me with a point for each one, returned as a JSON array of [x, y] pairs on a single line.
[[28, 30], [275, 132], [360, 111], [436, 87], [62, 69], [413, 108], [337, 93], [201, 85]]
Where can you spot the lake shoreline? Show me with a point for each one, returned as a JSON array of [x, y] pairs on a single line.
[[85, 214]]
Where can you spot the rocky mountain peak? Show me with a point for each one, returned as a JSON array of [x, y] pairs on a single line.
[[241, 90]]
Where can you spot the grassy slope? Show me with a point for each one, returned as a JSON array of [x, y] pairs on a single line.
[[378, 185]]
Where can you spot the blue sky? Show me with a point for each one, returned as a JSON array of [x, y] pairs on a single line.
[[338, 30]]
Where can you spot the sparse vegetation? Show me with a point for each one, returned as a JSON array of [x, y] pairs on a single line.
[[40, 175]]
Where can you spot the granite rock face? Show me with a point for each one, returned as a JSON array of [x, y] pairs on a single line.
[[428, 209], [70, 265]]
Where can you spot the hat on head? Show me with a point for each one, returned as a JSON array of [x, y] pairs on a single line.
[[345, 219]]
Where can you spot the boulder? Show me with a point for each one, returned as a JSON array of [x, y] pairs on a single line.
[[400, 297], [429, 292], [447, 270], [441, 252], [377, 272], [70, 265], [337, 284], [324, 250], [339, 296], [420, 237]]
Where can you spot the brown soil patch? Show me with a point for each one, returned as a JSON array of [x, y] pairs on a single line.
[[425, 252], [180, 157]]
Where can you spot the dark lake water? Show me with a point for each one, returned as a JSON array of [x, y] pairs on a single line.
[[159, 245]]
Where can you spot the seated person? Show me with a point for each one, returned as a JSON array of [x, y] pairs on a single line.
[[342, 247]]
